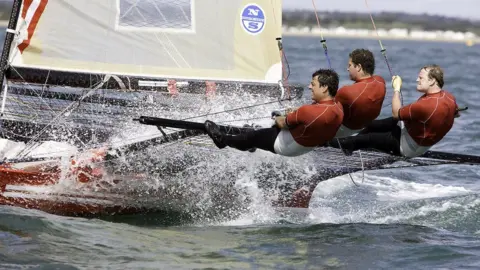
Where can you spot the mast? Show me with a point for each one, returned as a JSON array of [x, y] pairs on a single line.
[[12, 26]]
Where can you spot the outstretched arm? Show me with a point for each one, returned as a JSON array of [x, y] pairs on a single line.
[[396, 104], [396, 101]]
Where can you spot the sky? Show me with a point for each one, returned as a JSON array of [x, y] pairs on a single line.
[[469, 9]]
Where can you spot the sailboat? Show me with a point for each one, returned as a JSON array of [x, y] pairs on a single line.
[[76, 73], [102, 100]]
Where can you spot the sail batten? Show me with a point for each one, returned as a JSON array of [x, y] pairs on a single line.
[[184, 39]]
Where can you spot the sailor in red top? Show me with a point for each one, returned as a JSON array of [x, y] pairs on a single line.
[[361, 101], [423, 123], [299, 131], [429, 119]]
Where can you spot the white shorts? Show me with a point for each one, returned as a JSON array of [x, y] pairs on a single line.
[[408, 147], [343, 131], [285, 145]]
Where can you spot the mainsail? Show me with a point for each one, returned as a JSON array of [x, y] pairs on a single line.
[[183, 39]]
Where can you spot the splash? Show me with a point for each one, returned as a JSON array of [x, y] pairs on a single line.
[[381, 200]]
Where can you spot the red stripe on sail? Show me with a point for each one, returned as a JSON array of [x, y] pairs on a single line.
[[26, 6], [34, 21]]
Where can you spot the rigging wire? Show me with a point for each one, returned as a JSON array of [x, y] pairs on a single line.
[[283, 56], [322, 41], [30, 144], [383, 50], [234, 109], [285, 69], [283, 83]]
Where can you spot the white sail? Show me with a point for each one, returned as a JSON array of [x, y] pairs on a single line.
[[225, 40]]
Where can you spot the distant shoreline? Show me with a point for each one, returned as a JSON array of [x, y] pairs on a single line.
[[359, 36]]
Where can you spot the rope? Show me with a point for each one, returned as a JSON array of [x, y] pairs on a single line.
[[363, 167], [345, 159], [383, 50], [285, 67], [283, 57], [234, 109], [30, 144], [322, 41]]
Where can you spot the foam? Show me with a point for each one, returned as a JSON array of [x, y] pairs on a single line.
[[383, 200]]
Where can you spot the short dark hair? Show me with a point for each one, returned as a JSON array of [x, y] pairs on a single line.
[[329, 78], [365, 58], [435, 72]]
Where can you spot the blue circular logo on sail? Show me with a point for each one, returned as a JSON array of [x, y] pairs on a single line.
[[253, 19]]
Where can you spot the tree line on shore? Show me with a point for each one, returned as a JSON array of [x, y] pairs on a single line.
[[386, 20]]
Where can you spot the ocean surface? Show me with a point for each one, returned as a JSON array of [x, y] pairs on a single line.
[[414, 218]]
